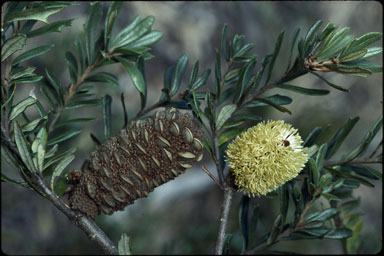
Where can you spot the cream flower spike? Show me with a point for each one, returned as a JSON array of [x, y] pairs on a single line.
[[265, 157]]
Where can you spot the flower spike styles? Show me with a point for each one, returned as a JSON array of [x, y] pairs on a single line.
[[265, 157]]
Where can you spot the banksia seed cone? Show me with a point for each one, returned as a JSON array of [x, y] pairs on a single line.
[[143, 156]]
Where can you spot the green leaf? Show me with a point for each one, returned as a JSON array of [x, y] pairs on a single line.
[[349, 70], [372, 51], [140, 66], [321, 156], [284, 201], [40, 13], [81, 54], [124, 245], [52, 151], [85, 103], [264, 63], [39, 150], [311, 34], [72, 65], [201, 80], [301, 90], [135, 30], [320, 215], [32, 125], [113, 12], [60, 168], [32, 53], [329, 83], [179, 73], [21, 106], [249, 117], [339, 138], [277, 225], [229, 134], [91, 29], [107, 115], [134, 73], [315, 172], [147, 40], [59, 157], [295, 36], [274, 101], [13, 44], [42, 135], [194, 72], [103, 77], [340, 233], [233, 124], [23, 148], [243, 220], [365, 171], [76, 120], [27, 79], [52, 27], [364, 66], [225, 95], [243, 82], [240, 53], [354, 56], [339, 41], [224, 114], [14, 7], [63, 136], [224, 49], [361, 43], [25, 72], [343, 172], [10, 181], [279, 40]]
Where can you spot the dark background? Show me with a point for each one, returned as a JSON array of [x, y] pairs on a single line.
[[181, 217]]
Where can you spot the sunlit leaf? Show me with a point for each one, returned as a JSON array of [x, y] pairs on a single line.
[[13, 44], [21, 106]]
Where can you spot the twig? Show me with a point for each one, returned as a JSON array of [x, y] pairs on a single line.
[[211, 176], [228, 194], [357, 162]]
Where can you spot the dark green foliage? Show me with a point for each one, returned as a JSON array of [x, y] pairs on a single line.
[[225, 108]]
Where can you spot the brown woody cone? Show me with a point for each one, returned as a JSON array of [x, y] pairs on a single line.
[[141, 157]]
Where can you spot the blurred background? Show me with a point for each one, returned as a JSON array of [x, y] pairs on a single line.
[[181, 217]]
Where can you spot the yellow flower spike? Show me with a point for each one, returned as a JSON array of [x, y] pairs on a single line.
[[265, 157]]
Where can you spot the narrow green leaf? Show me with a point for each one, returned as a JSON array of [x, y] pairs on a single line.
[[311, 34], [52, 151], [249, 117], [72, 121], [295, 36], [201, 80], [354, 55], [227, 135], [147, 40], [349, 70], [39, 13], [27, 79], [11, 181], [103, 77], [60, 168], [240, 53], [124, 245], [372, 51], [277, 224], [9, 157], [224, 114], [274, 101], [32, 53], [24, 72], [52, 27], [329, 83], [72, 65], [284, 201], [336, 45], [107, 115], [233, 124], [42, 135], [320, 215], [340, 233], [23, 148], [91, 29], [321, 156], [364, 66], [279, 40], [63, 136], [113, 12], [140, 66], [85, 103], [225, 95], [135, 30], [134, 73], [361, 43], [33, 124], [61, 186], [365, 171], [59, 157], [338, 171], [179, 73], [244, 81], [13, 44], [13, 7], [21, 106], [301, 90], [224, 49], [264, 63], [194, 72], [315, 172], [339, 138], [218, 77]]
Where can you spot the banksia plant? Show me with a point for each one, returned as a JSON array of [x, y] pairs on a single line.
[[219, 115], [143, 156], [265, 157]]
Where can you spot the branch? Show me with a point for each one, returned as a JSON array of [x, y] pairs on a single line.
[[225, 207], [354, 162], [84, 223]]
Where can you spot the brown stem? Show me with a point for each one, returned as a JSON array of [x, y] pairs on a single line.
[[225, 207], [81, 221]]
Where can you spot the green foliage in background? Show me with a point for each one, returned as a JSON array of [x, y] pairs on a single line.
[[31, 145]]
